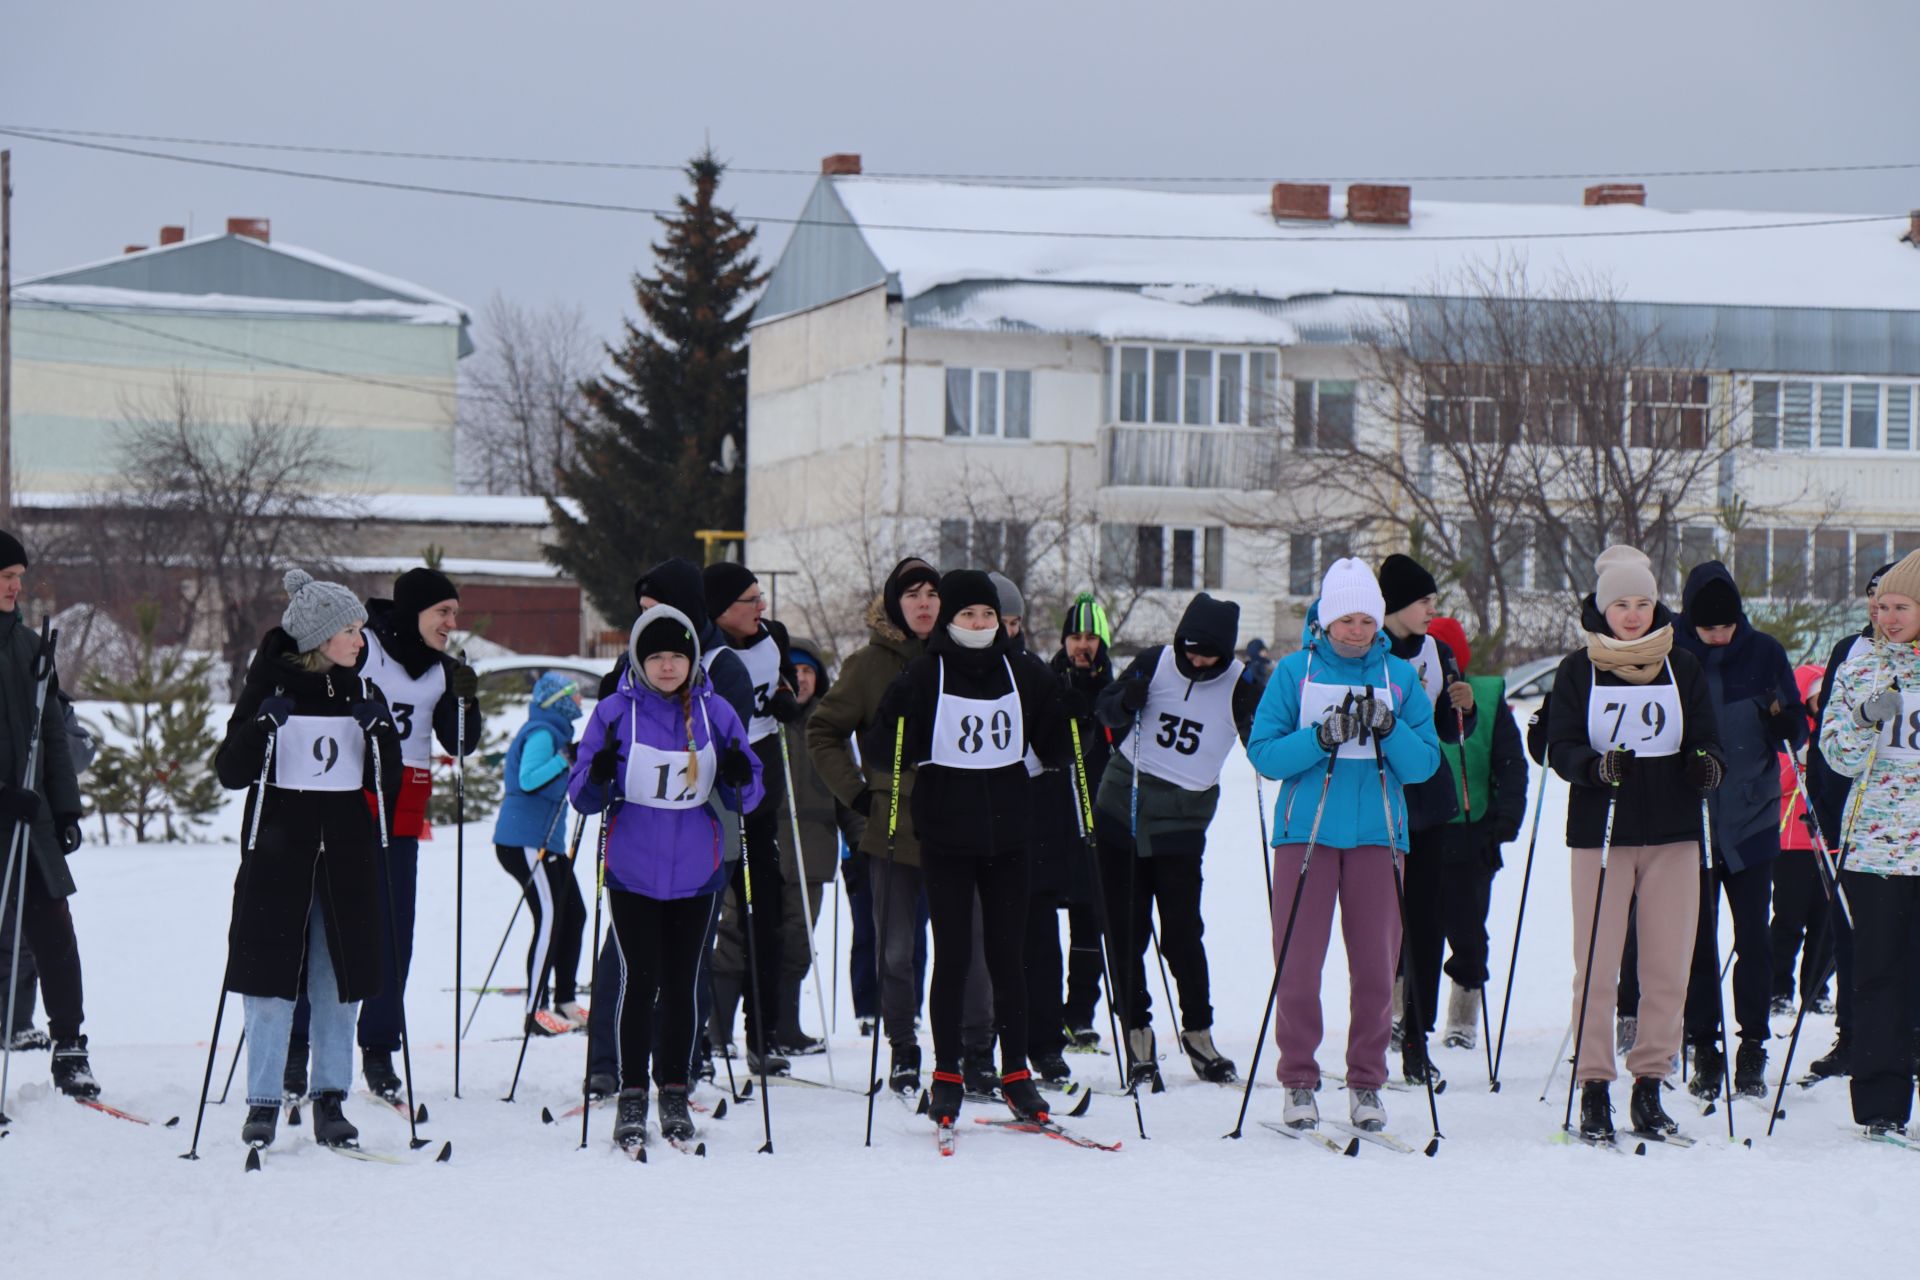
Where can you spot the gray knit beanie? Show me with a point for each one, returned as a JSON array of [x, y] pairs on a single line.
[[1622, 571], [317, 611], [1012, 605]]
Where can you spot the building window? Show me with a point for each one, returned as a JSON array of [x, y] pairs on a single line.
[[1195, 386], [987, 403], [1309, 556], [985, 544], [1149, 565], [1803, 414], [1181, 558], [1323, 415], [1668, 410]]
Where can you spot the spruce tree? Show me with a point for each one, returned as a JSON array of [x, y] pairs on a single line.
[[648, 471]]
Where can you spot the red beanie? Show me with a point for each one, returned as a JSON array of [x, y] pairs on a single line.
[[1449, 632]]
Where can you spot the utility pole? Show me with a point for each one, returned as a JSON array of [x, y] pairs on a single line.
[[6, 338]]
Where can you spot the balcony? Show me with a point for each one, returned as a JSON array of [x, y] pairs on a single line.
[[1161, 456]]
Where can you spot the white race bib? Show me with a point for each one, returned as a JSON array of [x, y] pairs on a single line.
[[1643, 718], [1426, 664], [762, 660], [658, 779], [1318, 701], [411, 700], [319, 753], [978, 733], [1900, 739], [1186, 728]]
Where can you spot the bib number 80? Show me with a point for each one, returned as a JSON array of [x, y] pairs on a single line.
[[974, 732]]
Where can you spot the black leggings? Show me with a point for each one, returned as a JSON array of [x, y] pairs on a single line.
[[1133, 886], [660, 942], [952, 880], [49, 931], [559, 918]]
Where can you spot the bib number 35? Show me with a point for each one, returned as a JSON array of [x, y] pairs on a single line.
[[1178, 734]]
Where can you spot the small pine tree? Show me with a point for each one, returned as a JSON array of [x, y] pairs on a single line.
[[157, 765], [649, 469]]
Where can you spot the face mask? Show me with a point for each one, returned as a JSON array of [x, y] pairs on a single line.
[[1350, 651], [971, 639]]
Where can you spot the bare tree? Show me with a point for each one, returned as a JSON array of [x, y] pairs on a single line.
[[520, 395]]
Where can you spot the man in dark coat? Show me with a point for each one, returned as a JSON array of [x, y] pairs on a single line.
[[48, 803]]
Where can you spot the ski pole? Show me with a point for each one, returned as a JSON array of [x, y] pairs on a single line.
[[414, 1140], [232, 1067], [1166, 987], [1413, 982], [1266, 846], [806, 900], [1134, 955], [760, 1012], [1083, 812], [1719, 985], [21, 848], [573, 849], [599, 892], [1593, 937], [459, 867], [834, 981], [1553, 1063], [1280, 957], [1513, 963], [880, 943], [536, 989], [1823, 852]]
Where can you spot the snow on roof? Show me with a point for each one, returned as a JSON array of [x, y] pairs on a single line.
[[454, 565], [95, 297], [1846, 264], [1105, 313], [414, 508]]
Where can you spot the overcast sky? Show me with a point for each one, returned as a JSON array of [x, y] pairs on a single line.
[[1384, 87]]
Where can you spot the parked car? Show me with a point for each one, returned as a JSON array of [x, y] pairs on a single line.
[[1531, 680]]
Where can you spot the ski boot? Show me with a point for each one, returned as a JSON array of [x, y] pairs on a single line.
[[1365, 1110], [1022, 1098], [904, 1077], [377, 1066], [1644, 1112], [1143, 1060], [71, 1073], [798, 1044], [1884, 1128], [1596, 1112], [630, 1125], [772, 1064], [1463, 1018], [866, 1026], [261, 1125], [293, 1077], [1837, 1061], [1416, 1068], [330, 1125], [601, 1085], [980, 1073], [1708, 1066], [944, 1099], [1208, 1062], [1302, 1111], [1821, 1005], [1626, 1030], [1750, 1070], [1050, 1066], [1083, 1040], [28, 1039], [675, 1122]]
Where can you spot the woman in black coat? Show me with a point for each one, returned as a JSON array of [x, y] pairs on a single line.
[[306, 734]]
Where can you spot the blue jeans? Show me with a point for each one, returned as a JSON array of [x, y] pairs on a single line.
[[380, 1015], [270, 1023]]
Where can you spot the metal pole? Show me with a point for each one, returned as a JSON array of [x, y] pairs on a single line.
[[6, 337], [460, 866], [806, 903]]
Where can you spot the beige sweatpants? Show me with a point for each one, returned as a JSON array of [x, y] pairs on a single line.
[[1665, 878]]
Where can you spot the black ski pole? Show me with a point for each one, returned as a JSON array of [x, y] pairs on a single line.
[[760, 1012], [1134, 956], [1280, 957], [1084, 811], [206, 1081], [20, 849], [414, 1140], [880, 943], [573, 848], [539, 990], [232, 1067], [459, 870], [1414, 1010], [1593, 937], [599, 892], [1266, 846], [1513, 963], [1719, 987]]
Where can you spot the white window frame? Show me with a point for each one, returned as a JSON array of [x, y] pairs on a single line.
[[978, 377], [1822, 387], [1246, 383]]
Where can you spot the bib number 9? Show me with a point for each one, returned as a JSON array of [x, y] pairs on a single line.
[[326, 752]]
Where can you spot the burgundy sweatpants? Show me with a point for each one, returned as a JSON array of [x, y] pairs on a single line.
[[1362, 880]]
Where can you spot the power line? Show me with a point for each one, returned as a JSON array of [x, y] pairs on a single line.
[[1019, 233], [929, 175]]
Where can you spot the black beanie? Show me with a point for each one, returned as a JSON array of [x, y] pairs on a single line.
[[725, 582], [663, 635], [11, 552], [676, 582], [417, 590], [906, 575], [1715, 604], [1403, 580], [1872, 582], [964, 587]]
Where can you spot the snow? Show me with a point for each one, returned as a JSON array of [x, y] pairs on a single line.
[[518, 1198], [1171, 314], [420, 508], [101, 296], [1765, 261], [456, 565]]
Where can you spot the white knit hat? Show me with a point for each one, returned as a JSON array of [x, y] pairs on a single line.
[[1350, 587]]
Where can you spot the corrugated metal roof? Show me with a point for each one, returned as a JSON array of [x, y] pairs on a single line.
[[826, 259]]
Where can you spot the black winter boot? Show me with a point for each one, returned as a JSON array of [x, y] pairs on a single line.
[[1022, 1098], [1208, 1062], [1750, 1070], [1050, 1066], [1709, 1065], [262, 1123], [981, 1073], [630, 1125], [1596, 1112], [330, 1125], [1837, 1062], [944, 1099], [905, 1075], [1644, 1111], [602, 1085], [675, 1121], [377, 1066], [72, 1075]]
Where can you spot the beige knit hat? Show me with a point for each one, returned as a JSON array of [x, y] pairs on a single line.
[[1623, 571], [1904, 578]]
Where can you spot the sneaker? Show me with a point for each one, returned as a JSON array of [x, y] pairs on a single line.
[[1782, 1007], [1303, 1111], [944, 1099], [330, 1125], [799, 1044], [675, 1120], [1083, 1040], [1365, 1110], [1463, 1018], [545, 1022], [904, 1077], [1838, 1060], [72, 1075], [573, 1011], [1208, 1062], [1709, 1064], [1626, 1030], [30, 1038], [1750, 1070], [1022, 1098], [980, 1073], [377, 1066], [772, 1064], [1596, 1112], [293, 1078], [1644, 1111], [261, 1125], [1050, 1067], [602, 1085], [630, 1125]]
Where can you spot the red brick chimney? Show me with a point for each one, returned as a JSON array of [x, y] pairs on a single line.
[[172, 235], [134, 248], [841, 164], [254, 228], [1305, 201], [1380, 205], [1617, 193]]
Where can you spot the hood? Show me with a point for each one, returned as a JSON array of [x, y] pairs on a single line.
[[550, 698], [677, 582], [886, 633], [1807, 679], [802, 649], [400, 636], [655, 614], [274, 667], [1212, 622], [1703, 577], [1592, 620]]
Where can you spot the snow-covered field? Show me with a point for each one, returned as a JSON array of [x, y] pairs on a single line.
[[87, 1194]]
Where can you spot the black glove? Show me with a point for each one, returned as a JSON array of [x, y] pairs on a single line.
[[863, 803], [69, 832], [1133, 696], [463, 681], [22, 804], [372, 716], [1377, 715], [1074, 700], [1613, 768], [571, 750], [853, 870], [605, 763], [736, 767], [1505, 834], [1704, 773], [783, 706], [1339, 727], [274, 710]]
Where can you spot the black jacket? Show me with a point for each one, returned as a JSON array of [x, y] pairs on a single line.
[[312, 846], [1656, 805], [1060, 870], [1437, 800], [1828, 786], [54, 775], [977, 812], [1478, 840]]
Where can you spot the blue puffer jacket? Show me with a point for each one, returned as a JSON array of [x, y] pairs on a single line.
[[533, 811], [1282, 747]]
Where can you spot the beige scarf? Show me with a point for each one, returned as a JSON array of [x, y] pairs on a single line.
[[1635, 661]]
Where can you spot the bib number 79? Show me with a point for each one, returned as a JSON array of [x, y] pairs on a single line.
[[1653, 717]]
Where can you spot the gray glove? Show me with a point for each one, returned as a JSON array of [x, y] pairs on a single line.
[[1339, 727], [1880, 708], [1377, 715]]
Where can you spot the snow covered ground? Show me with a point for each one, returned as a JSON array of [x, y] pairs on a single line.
[[93, 1195]]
